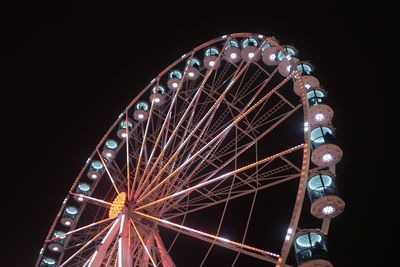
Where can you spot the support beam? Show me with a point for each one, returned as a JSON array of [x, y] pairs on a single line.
[[124, 253], [166, 259], [98, 257]]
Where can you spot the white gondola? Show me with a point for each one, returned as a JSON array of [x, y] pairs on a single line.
[[250, 50], [95, 169], [232, 52], [211, 59], [193, 71], [69, 216], [109, 149], [323, 193], [311, 249], [121, 133], [157, 97], [57, 244], [141, 112], [269, 56], [175, 78], [82, 189]]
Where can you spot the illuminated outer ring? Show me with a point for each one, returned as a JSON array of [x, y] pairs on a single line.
[[120, 198]]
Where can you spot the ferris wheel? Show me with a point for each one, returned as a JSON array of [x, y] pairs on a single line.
[[222, 127]]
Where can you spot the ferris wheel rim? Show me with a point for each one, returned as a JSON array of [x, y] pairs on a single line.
[[306, 150]]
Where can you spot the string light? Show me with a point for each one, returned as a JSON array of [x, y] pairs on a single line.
[[210, 235]]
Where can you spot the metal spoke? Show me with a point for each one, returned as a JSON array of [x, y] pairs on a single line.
[[108, 172], [143, 244], [87, 244], [268, 255], [79, 229], [224, 176], [216, 138]]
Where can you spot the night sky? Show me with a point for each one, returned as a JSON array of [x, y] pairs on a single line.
[[69, 71]]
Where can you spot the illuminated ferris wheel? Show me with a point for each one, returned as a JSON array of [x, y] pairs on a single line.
[[233, 121]]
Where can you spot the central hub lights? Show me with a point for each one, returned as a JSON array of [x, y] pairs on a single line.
[[118, 204]]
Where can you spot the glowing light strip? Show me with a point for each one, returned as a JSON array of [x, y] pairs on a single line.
[[108, 172], [287, 151], [77, 230], [96, 200], [127, 152], [143, 244], [209, 235], [86, 244], [294, 220]]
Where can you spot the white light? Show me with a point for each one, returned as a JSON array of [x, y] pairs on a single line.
[[306, 126], [175, 85], [157, 100], [319, 117], [123, 134], [251, 55], [183, 56], [287, 237], [307, 86], [80, 198], [328, 210], [224, 36], [327, 157], [67, 223], [290, 230], [260, 36], [87, 161], [233, 55], [288, 57], [55, 248], [94, 176], [108, 154], [211, 63], [140, 116], [41, 251], [191, 74], [288, 68], [224, 239], [272, 57]]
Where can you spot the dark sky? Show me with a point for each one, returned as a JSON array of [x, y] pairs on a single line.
[[68, 72]]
